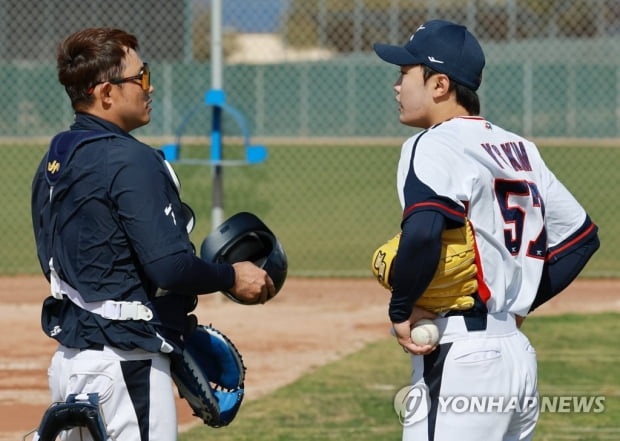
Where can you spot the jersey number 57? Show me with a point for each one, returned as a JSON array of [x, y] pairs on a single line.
[[520, 202]]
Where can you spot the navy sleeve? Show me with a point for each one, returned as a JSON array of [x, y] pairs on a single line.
[[416, 261], [566, 263], [186, 273], [147, 203]]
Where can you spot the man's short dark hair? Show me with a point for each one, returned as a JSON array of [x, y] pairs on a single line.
[[464, 96], [90, 56]]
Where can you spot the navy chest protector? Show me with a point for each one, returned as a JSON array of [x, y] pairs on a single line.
[[60, 152], [62, 321]]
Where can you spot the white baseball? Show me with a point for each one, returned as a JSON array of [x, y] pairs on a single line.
[[425, 332]]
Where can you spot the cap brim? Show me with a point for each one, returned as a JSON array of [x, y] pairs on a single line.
[[395, 54]]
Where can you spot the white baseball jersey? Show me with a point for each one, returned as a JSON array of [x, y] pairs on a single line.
[[518, 209]]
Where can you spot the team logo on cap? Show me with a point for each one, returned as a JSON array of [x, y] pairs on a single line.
[[419, 29]]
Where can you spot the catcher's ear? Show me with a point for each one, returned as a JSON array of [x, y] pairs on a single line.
[[104, 95]]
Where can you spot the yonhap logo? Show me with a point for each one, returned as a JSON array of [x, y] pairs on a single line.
[[412, 404]]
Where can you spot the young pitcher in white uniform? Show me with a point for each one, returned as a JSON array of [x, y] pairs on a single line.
[[532, 239]]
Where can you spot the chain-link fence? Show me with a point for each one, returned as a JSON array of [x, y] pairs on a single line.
[[303, 74]]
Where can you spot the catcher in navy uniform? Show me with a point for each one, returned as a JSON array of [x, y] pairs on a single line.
[[110, 232]]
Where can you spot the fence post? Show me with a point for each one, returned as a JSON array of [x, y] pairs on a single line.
[[528, 98]]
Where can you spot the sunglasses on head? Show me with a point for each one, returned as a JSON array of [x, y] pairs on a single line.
[[144, 76]]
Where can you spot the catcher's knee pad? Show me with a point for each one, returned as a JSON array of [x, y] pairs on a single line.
[[77, 411]]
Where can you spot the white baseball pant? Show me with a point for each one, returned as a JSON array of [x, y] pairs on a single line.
[[481, 385], [135, 391]]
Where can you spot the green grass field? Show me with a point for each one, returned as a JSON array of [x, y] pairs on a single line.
[[351, 399], [330, 205]]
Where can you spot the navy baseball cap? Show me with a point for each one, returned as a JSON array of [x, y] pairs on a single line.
[[443, 46]]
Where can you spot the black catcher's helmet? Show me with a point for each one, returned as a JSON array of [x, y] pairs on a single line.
[[245, 237]]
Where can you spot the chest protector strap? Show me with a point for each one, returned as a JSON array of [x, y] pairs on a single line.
[[108, 309]]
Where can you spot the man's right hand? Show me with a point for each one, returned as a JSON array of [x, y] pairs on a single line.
[[402, 332], [252, 284]]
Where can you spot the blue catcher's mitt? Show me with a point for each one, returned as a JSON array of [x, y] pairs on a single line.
[[210, 375]]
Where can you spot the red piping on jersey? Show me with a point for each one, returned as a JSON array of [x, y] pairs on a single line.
[[572, 242], [483, 290], [432, 204]]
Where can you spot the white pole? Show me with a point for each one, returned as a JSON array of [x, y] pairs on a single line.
[[217, 211], [216, 45]]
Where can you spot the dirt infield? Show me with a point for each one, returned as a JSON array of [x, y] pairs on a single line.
[[310, 323]]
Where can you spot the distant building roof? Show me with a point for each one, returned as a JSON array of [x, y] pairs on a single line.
[[252, 16]]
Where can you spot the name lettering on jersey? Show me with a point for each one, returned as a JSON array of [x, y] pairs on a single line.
[[511, 154], [53, 166]]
